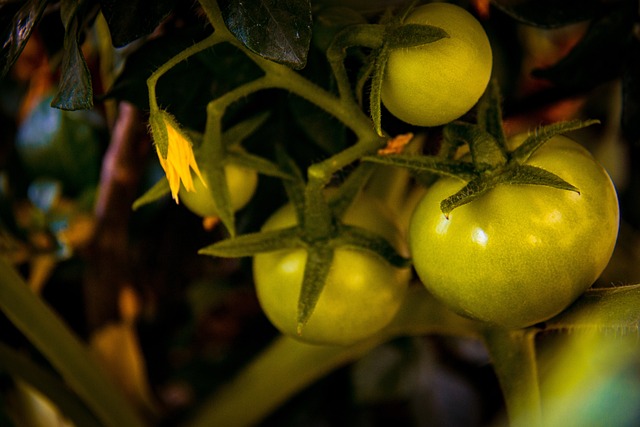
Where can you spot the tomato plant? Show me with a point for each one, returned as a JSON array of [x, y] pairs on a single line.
[[435, 83], [424, 257], [520, 253], [362, 292]]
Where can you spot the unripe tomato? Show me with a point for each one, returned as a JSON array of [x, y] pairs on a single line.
[[242, 184], [518, 254], [435, 83], [362, 292]]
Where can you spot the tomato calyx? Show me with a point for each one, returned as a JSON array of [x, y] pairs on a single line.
[[319, 231], [492, 163]]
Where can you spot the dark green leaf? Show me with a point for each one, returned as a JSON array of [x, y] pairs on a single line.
[[419, 164], [132, 19], [159, 190], [74, 89], [253, 243], [600, 54], [541, 135], [316, 270], [531, 175], [18, 30], [362, 239], [278, 30], [550, 13], [411, 35]]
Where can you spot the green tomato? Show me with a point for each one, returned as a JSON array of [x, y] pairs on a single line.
[[518, 254], [242, 184], [362, 292], [435, 83]]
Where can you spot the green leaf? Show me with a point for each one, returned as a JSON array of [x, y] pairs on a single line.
[[464, 171], [18, 31], [66, 353], [541, 135], [129, 20], [412, 35], [489, 113], [253, 243], [74, 89], [363, 239], [532, 175], [316, 270], [50, 385], [278, 30], [159, 190], [486, 151]]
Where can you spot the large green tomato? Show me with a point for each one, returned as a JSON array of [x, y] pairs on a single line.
[[519, 254], [242, 184], [435, 83], [362, 292]]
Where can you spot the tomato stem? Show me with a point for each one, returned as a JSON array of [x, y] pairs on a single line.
[[513, 355]]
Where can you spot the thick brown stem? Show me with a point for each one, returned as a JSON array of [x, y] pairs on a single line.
[[109, 266]]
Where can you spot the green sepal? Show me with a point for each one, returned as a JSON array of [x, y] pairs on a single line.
[[316, 270], [349, 189], [159, 190], [486, 151], [489, 114], [257, 163], [471, 191], [250, 244], [294, 187], [364, 74], [159, 131], [412, 35], [375, 93], [545, 133], [241, 131], [532, 175], [218, 187], [417, 164], [362, 239]]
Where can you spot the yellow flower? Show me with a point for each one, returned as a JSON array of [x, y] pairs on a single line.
[[179, 160]]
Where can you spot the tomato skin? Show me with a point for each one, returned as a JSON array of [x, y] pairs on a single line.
[[435, 83], [519, 254], [362, 292], [242, 184]]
